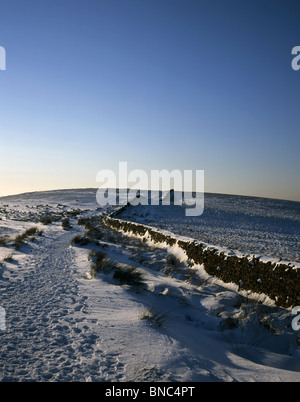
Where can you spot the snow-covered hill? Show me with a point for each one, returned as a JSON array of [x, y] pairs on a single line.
[[86, 303]]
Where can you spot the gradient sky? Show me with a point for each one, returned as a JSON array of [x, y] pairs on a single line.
[[161, 84]]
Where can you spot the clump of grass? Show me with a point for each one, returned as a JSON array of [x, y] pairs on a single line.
[[92, 254], [75, 212], [3, 241], [100, 263], [94, 232], [66, 224], [89, 222], [46, 219], [265, 319], [173, 267], [79, 240], [18, 241], [8, 258], [29, 233], [192, 277], [155, 317], [130, 276], [83, 221], [173, 261]]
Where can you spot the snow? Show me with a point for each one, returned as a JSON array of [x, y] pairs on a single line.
[[266, 228], [63, 325]]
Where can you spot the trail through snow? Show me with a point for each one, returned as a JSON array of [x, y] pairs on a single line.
[[46, 335], [61, 325]]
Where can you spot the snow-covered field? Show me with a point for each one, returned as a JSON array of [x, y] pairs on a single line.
[[108, 307], [246, 224]]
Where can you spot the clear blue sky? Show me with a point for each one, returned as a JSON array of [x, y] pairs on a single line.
[[161, 84]]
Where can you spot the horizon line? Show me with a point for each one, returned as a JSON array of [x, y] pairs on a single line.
[[121, 188]]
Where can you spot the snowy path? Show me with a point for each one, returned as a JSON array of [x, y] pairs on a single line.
[[61, 325], [45, 338]]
